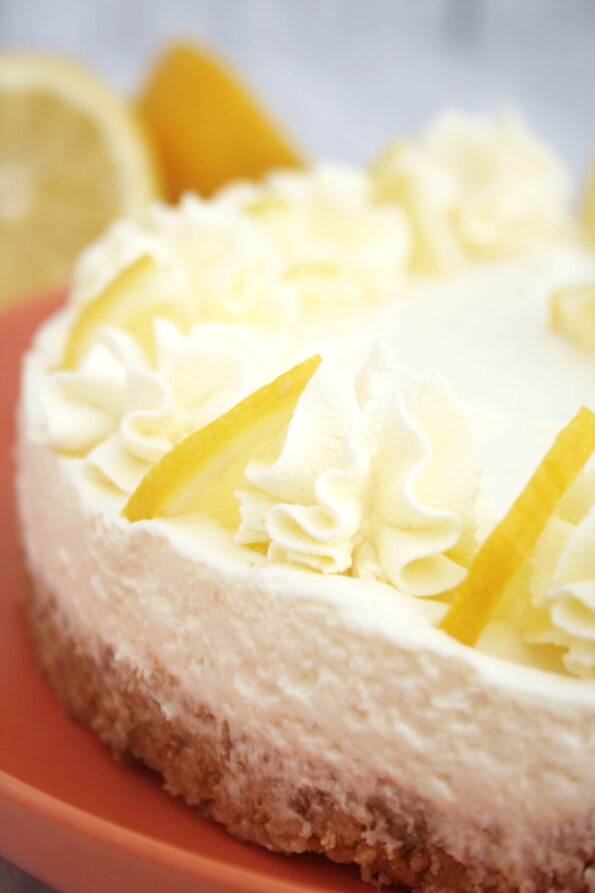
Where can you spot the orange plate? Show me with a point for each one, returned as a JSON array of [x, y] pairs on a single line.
[[71, 815]]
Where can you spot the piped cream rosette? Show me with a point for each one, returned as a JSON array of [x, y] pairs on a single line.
[[374, 478], [562, 581], [474, 188], [123, 415]]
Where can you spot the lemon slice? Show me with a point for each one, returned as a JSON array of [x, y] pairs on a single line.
[[208, 127], [572, 313], [204, 470], [72, 158], [132, 301], [511, 541]]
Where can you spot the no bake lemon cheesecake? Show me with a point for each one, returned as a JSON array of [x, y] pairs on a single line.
[[293, 539]]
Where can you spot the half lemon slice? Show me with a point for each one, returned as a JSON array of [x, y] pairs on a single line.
[[203, 471], [72, 159]]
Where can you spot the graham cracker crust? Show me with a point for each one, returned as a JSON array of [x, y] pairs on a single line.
[[208, 768]]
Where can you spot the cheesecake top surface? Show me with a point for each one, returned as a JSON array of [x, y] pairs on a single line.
[[450, 291]]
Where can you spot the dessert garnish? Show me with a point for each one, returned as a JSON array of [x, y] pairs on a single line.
[[209, 128], [377, 477], [122, 411], [203, 471], [572, 313], [72, 158], [132, 301], [474, 189], [562, 580], [513, 539]]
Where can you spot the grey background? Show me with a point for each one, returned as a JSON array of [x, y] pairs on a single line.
[[346, 75]]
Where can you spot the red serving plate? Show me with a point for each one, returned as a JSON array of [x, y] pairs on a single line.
[[70, 814]]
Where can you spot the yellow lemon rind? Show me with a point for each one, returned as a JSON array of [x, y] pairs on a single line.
[[132, 301], [194, 474], [511, 541], [207, 125]]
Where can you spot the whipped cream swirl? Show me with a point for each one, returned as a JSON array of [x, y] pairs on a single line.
[[264, 254], [563, 580], [123, 415], [373, 479], [338, 245], [474, 188]]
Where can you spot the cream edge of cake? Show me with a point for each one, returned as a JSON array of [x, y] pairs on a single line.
[[330, 687]]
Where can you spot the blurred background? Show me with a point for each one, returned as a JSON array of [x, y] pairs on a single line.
[[346, 75], [342, 77]]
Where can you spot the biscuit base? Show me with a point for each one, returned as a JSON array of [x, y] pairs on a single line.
[[251, 799]]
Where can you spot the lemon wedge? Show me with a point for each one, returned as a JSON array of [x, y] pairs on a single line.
[[203, 471], [209, 129], [132, 301], [72, 158], [510, 543], [572, 313]]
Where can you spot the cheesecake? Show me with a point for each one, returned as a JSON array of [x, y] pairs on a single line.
[[242, 559]]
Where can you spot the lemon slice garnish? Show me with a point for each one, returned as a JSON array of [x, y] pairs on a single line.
[[511, 541], [203, 471], [572, 313], [73, 157], [209, 129], [132, 301]]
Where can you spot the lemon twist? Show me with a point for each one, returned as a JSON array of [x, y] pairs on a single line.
[[203, 471], [142, 292], [511, 541]]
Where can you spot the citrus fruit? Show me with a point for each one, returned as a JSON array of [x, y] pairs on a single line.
[[208, 127], [203, 471], [72, 158], [132, 301], [572, 313], [508, 546]]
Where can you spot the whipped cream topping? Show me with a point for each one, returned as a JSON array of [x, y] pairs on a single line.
[[474, 188], [562, 583], [231, 264], [374, 479], [339, 246], [122, 415], [377, 477], [264, 254]]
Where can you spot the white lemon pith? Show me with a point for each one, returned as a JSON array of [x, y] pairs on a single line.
[[72, 158]]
